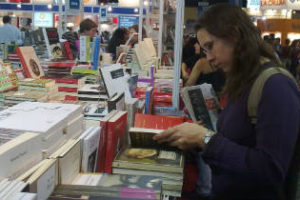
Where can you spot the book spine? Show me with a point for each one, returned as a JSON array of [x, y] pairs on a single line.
[[109, 154], [67, 89], [96, 53], [102, 147], [88, 48], [82, 52], [25, 67], [68, 50], [65, 80], [31, 84]]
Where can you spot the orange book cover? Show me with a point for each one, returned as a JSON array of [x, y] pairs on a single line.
[[155, 121], [30, 62], [116, 128]]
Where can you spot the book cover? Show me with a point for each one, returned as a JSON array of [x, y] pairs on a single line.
[[148, 100], [66, 50], [114, 80], [156, 122], [116, 129], [30, 62], [150, 159], [202, 104]]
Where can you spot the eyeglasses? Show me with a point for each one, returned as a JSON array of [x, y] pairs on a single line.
[[208, 47]]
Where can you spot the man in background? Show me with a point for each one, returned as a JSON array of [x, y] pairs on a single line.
[[9, 33]]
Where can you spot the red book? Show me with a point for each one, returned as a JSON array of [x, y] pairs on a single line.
[[70, 79], [30, 62], [155, 121], [116, 129], [102, 141], [71, 98], [67, 89], [67, 50]]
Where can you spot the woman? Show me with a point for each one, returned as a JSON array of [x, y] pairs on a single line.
[[247, 161], [190, 55], [120, 36]]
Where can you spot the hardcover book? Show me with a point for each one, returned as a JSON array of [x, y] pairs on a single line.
[[115, 138], [103, 141], [30, 62], [156, 122], [45, 83]]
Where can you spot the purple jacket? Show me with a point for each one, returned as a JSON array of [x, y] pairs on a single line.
[[250, 162]]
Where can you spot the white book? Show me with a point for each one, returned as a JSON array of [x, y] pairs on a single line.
[[69, 163], [18, 187], [19, 154], [87, 179], [74, 128], [44, 180], [115, 81], [24, 196], [90, 142]]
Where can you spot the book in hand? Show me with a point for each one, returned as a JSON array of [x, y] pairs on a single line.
[[143, 138], [202, 104]]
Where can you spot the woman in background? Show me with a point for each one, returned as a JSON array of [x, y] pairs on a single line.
[[88, 28], [120, 36]]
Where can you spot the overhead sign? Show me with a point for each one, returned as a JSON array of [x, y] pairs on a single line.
[[73, 7], [43, 19], [128, 21], [103, 13]]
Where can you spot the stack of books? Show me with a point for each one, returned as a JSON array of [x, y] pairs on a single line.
[[19, 150], [12, 189], [68, 85], [146, 157], [15, 97], [92, 93], [55, 122], [45, 86], [57, 69], [104, 186]]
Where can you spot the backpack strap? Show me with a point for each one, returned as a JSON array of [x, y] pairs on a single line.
[[257, 88]]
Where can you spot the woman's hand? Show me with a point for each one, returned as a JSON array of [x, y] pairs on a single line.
[[184, 136]]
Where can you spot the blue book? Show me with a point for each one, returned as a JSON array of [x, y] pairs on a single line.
[[96, 53]]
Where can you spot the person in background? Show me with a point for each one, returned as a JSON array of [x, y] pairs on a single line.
[[248, 161], [10, 33], [135, 29], [286, 54], [190, 56], [88, 28], [120, 36], [71, 36]]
